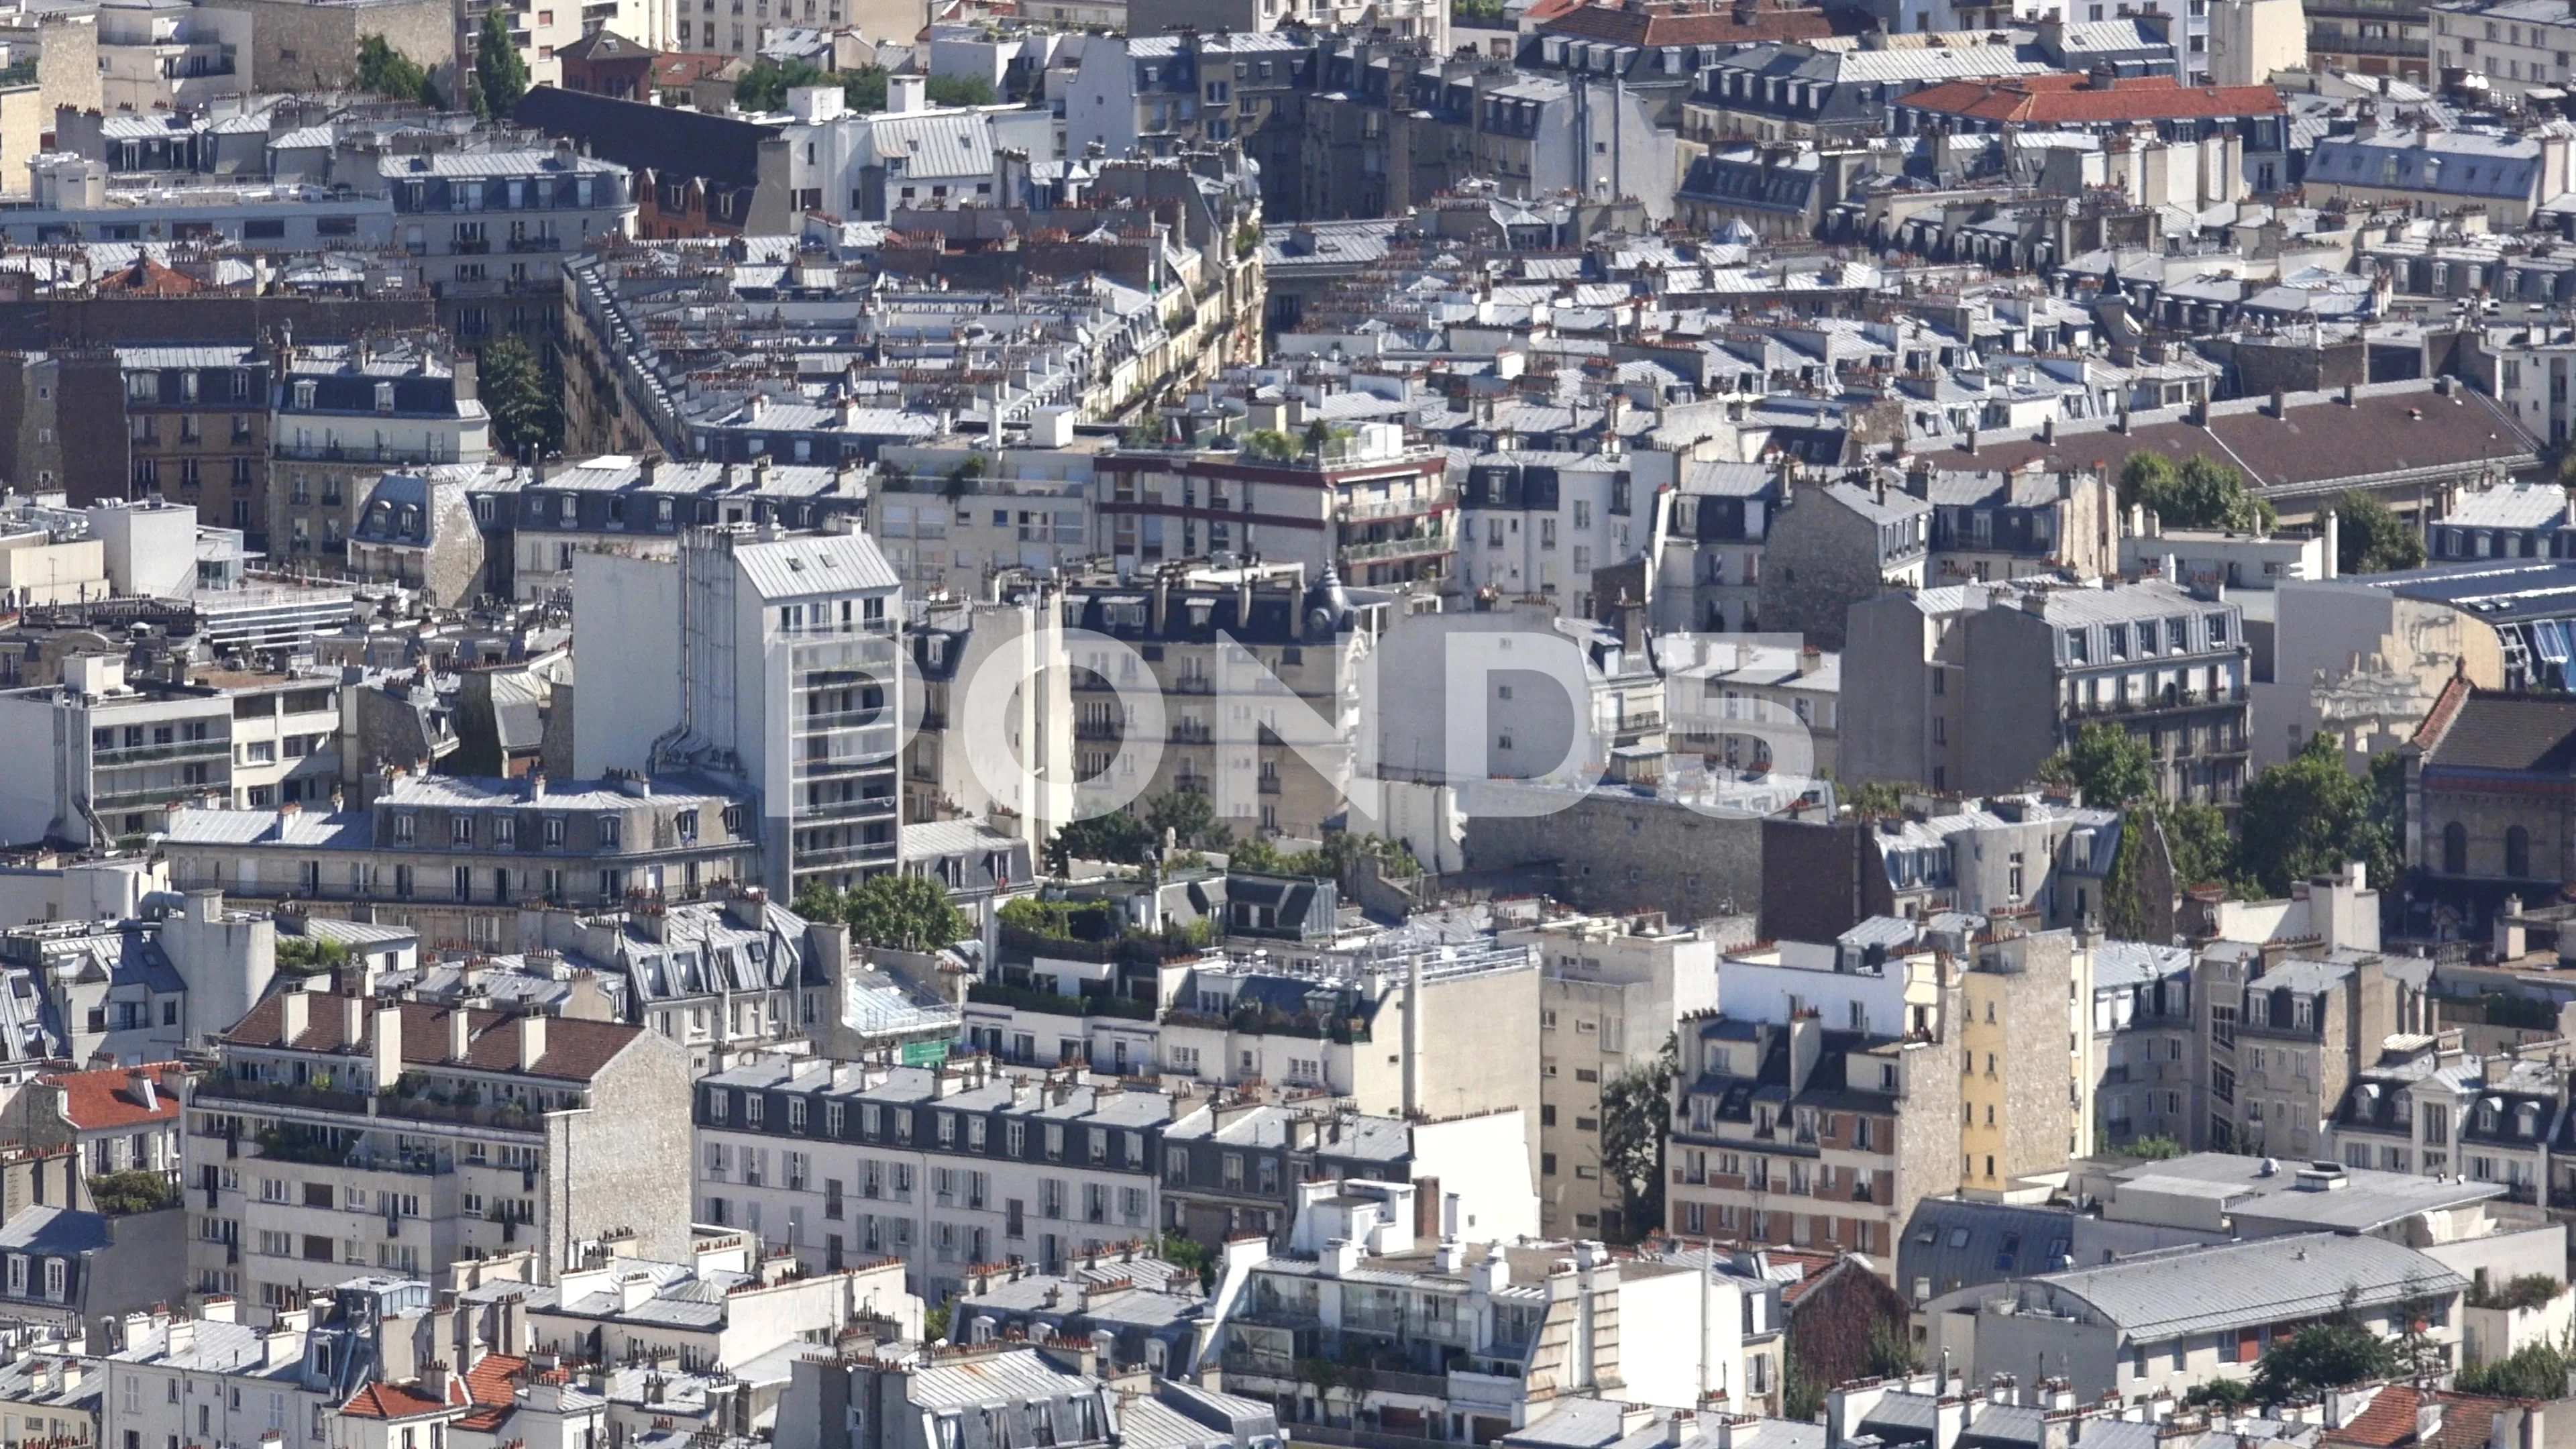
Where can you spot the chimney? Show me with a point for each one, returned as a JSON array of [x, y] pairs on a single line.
[[532, 1041], [460, 1033], [389, 1046], [292, 1009], [353, 1019]]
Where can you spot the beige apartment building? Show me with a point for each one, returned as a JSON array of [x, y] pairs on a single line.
[[1613, 991]]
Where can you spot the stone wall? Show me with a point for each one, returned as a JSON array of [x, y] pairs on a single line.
[[298, 46]]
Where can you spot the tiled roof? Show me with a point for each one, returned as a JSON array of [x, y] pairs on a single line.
[[390, 1401], [490, 1384], [2050, 100], [1665, 24], [2523, 733], [2390, 1420], [575, 1049], [97, 1101]]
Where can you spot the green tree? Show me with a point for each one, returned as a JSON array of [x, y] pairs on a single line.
[[1188, 817], [864, 91], [2371, 539], [140, 1190], [1183, 1251], [2197, 839], [2534, 1371], [309, 954], [2111, 766], [1634, 1108], [500, 75], [388, 72], [524, 411], [2199, 494], [1269, 445], [2309, 815], [2321, 1356], [957, 90], [1117, 836], [765, 86], [2151, 1149], [904, 912], [1874, 797]]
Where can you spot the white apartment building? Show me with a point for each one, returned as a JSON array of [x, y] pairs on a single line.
[[1542, 523], [210, 1382], [171, 56], [110, 758], [789, 676], [2515, 45], [840, 1162], [345, 415]]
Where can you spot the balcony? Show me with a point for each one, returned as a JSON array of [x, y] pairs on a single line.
[[1439, 500], [176, 750], [337, 452], [155, 795], [533, 244], [1415, 547]]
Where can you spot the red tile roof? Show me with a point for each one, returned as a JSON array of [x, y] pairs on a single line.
[[489, 1384], [99, 1101], [148, 278], [2063, 99], [1690, 23], [392, 1401], [575, 1049], [2389, 1421], [2446, 708]]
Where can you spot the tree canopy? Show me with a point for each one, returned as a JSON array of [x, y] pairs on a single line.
[[2536, 1370], [2320, 1356], [1118, 837], [2199, 494], [765, 86], [900, 912], [500, 74], [2111, 766], [2309, 815], [2371, 539], [521, 396], [388, 72]]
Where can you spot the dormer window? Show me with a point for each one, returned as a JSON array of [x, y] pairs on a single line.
[[304, 394]]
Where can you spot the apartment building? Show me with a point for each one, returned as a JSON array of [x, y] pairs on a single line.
[[1234, 1166], [789, 677], [963, 652], [2286, 1039], [491, 223], [1464, 1339], [120, 1119], [718, 977], [1280, 768], [642, 506], [1833, 546], [2166, 665], [285, 735], [456, 858], [116, 757], [340, 1133], [1541, 523], [2144, 1055], [1060, 1392], [1704, 544], [1439, 1028], [2426, 1105], [209, 1380], [1612, 993], [344, 415], [1364, 502], [2024, 1098], [839, 1162], [1821, 1101], [618, 1307], [2514, 45], [1512, 663], [197, 425]]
